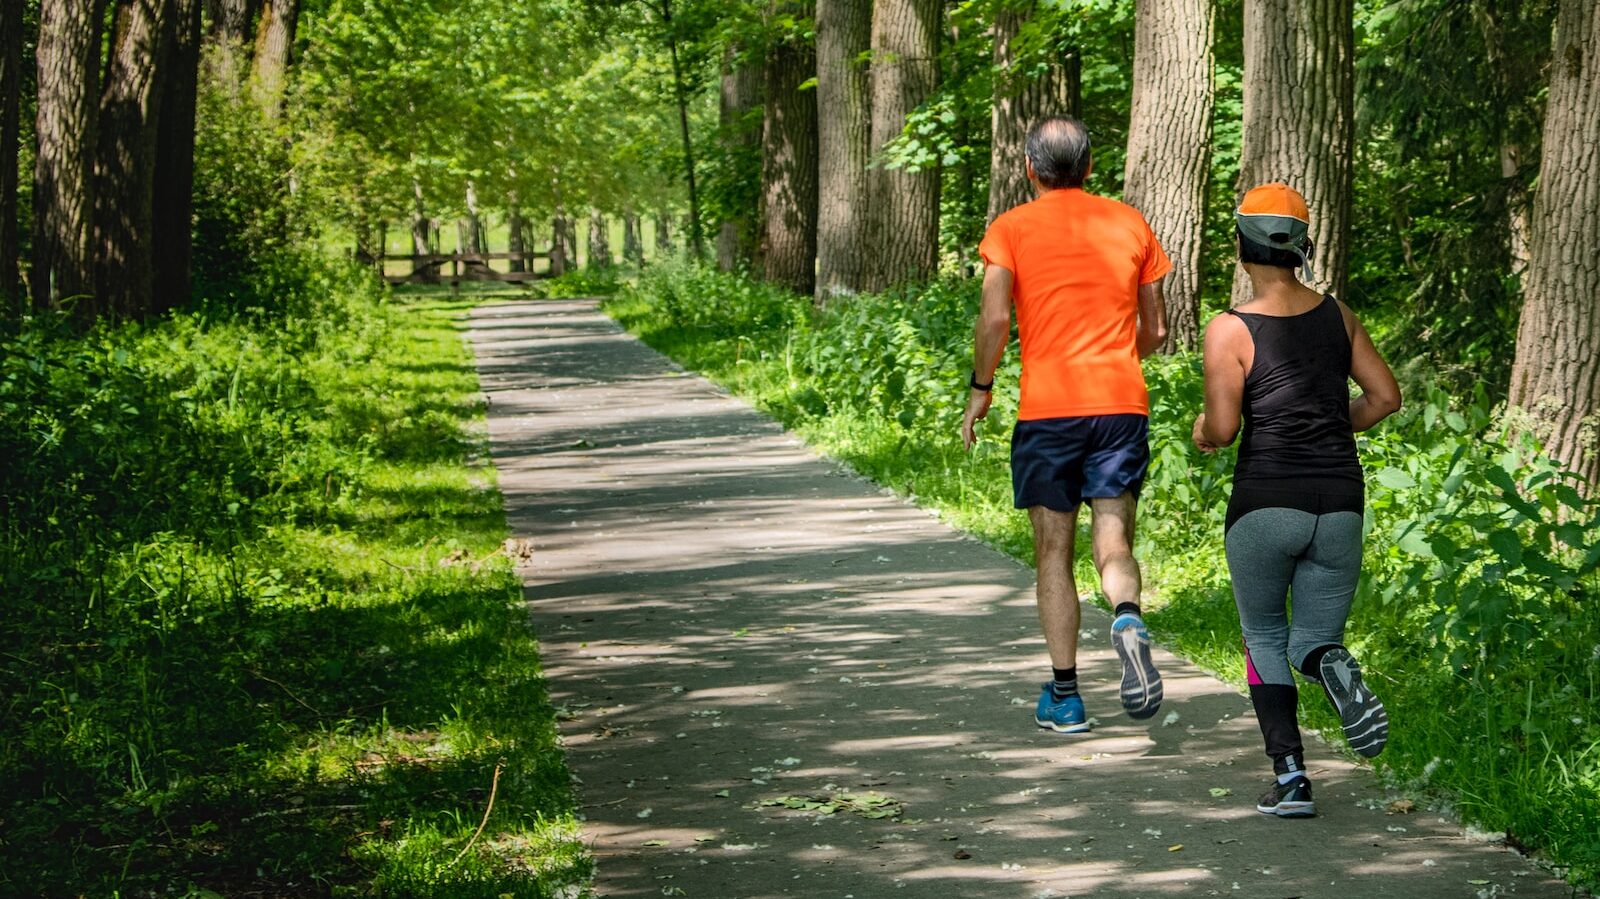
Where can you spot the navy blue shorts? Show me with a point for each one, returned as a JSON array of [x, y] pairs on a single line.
[[1060, 462]]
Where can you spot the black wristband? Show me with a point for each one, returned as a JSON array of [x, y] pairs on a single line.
[[973, 383]]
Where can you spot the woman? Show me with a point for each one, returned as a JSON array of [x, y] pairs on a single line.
[[1283, 361]]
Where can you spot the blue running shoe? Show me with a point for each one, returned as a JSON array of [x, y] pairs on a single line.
[[1064, 716], [1141, 682]]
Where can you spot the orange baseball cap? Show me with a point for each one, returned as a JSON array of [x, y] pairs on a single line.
[[1275, 215]]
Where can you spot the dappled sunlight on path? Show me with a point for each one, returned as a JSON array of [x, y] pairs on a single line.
[[726, 619]]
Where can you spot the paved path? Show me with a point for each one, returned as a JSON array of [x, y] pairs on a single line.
[[727, 618]]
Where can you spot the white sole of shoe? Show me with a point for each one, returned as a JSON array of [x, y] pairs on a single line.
[[1362, 715]]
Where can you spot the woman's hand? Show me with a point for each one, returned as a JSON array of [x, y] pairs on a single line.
[[1200, 441]]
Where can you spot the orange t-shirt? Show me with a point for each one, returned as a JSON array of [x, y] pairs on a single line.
[[1077, 261]]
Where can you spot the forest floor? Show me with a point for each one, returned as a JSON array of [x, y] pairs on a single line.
[[776, 679]]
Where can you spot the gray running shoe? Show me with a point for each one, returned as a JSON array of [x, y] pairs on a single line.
[[1290, 800], [1141, 682], [1366, 724]]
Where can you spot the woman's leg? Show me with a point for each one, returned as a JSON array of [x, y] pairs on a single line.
[[1262, 547], [1324, 585]]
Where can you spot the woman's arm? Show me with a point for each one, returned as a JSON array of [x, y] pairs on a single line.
[[1226, 347], [1380, 395]]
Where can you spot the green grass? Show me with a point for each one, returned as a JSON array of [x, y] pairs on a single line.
[[262, 638], [1474, 620]]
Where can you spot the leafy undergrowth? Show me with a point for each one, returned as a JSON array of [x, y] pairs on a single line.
[[1475, 619], [260, 638]]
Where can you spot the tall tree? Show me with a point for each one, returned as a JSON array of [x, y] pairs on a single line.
[[789, 167], [905, 204], [230, 28], [125, 165], [599, 255], [844, 137], [11, 12], [1169, 144], [1299, 119], [740, 136], [63, 192], [274, 46], [632, 238], [1020, 99], [1556, 375], [680, 93], [173, 202]]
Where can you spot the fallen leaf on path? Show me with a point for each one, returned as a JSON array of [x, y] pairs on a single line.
[[1478, 883], [1219, 792], [721, 794], [657, 843], [645, 813], [1402, 807], [1175, 847], [962, 854]]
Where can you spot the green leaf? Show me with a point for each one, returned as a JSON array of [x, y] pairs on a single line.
[[1507, 545], [1395, 479]]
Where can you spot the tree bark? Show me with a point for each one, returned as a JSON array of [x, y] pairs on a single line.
[[173, 203], [1169, 145], [1555, 377], [1299, 119], [789, 169], [421, 228], [471, 235], [740, 95], [63, 192], [560, 246], [515, 227], [663, 234], [125, 166], [905, 205], [844, 145], [599, 242], [1019, 101], [229, 31], [11, 12], [274, 46], [680, 93], [632, 239]]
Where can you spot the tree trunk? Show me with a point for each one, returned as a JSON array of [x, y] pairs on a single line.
[[1555, 377], [421, 226], [125, 166], [69, 111], [229, 31], [514, 233], [663, 234], [560, 246], [844, 136], [789, 169], [473, 239], [274, 45], [599, 242], [11, 12], [173, 212], [1299, 121], [741, 94], [1019, 101], [905, 72], [632, 240], [1169, 145], [680, 93]]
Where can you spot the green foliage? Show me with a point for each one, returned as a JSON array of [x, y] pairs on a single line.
[[1475, 615], [258, 638]]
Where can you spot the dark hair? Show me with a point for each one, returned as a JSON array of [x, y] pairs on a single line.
[[1058, 147], [1261, 254]]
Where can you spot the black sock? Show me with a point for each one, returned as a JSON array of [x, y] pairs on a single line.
[[1064, 682], [1311, 666], [1126, 608]]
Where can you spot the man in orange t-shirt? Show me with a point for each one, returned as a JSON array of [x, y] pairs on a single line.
[[1085, 275]]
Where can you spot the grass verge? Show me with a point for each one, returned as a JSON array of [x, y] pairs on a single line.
[[265, 639]]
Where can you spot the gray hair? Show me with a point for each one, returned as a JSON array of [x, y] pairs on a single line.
[[1058, 147]]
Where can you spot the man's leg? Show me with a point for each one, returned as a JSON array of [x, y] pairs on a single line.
[[1112, 533], [1057, 594], [1060, 707]]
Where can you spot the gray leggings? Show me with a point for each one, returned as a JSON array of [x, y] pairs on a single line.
[[1274, 553]]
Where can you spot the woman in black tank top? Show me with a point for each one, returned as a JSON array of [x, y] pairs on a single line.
[[1282, 363]]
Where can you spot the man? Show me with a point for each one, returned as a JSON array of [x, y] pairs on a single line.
[[1084, 273]]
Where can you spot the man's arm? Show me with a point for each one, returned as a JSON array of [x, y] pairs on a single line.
[[1152, 318], [989, 339]]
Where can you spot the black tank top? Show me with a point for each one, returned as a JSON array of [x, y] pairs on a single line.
[[1297, 437]]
